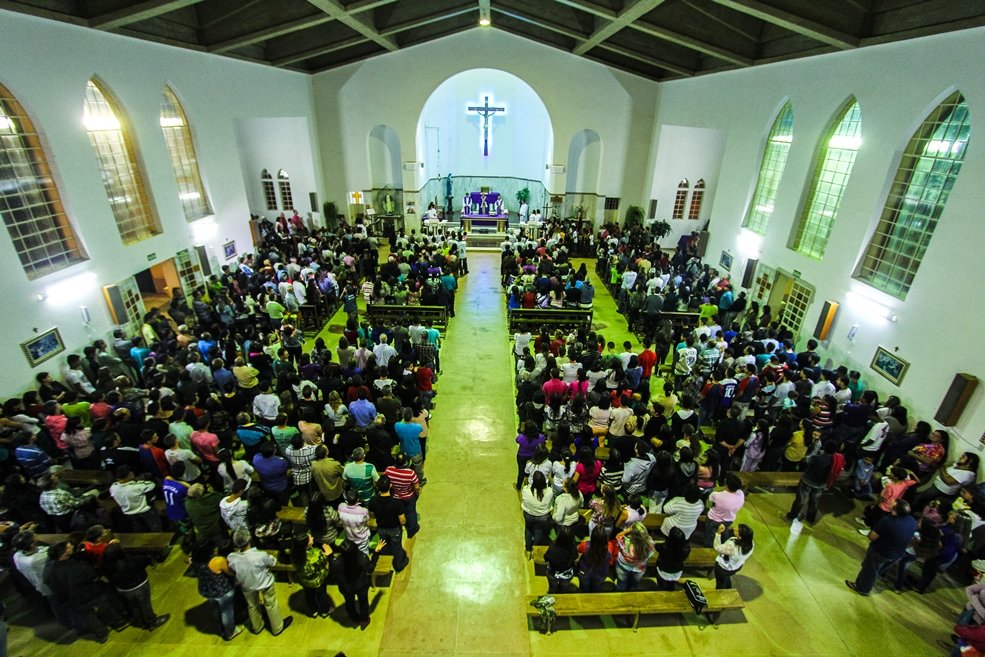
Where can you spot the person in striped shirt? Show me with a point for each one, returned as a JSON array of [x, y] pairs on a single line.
[[406, 487]]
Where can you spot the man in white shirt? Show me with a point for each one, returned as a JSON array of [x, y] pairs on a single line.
[[626, 354], [131, 495], [175, 454], [266, 406], [31, 560], [252, 569], [383, 351], [76, 378], [521, 340]]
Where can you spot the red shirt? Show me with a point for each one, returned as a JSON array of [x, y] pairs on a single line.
[[402, 482], [424, 376], [647, 359], [207, 445], [554, 387]]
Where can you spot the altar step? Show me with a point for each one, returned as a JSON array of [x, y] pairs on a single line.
[[487, 239]]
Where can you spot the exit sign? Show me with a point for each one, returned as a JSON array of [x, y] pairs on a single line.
[[151, 257]]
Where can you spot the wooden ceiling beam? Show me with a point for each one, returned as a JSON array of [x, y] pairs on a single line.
[[318, 50], [633, 10], [595, 10], [271, 32], [537, 22], [139, 12], [694, 44], [347, 18], [647, 59], [41, 12], [792, 22], [426, 20]]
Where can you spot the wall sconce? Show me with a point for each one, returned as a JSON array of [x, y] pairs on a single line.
[[874, 307]]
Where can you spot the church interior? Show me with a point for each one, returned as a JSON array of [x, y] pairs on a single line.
[[582, 108]]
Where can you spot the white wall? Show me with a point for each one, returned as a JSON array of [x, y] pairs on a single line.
[[896, 85], [686, 153], [393, 89], [46, 65], [275, 143], [450, 139]]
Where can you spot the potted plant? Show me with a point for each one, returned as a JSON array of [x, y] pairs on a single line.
[[660, 228], [523, 196], [634, 216]]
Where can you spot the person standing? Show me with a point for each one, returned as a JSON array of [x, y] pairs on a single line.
[[215, 583], [725, 504], [406, 487], [813, 482], [31, 560], [311, 565], [733, 552], [76, 586], [351, 569], [888, 541], [131, 495], [252, 569], [129, 576], [390, 521], [327, 475], [409, 434]]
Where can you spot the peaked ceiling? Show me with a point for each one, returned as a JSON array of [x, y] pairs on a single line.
[[656, 39]]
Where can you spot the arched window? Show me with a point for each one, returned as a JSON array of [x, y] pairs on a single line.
[[184, 163], [269, 195], [697, 197], [832, 169], [284, 182], [122, 178], [926, 174], [29, 201], [680, 200], [770, 172]]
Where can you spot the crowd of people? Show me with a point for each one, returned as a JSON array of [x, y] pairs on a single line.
[[210, 421], [702, 402]]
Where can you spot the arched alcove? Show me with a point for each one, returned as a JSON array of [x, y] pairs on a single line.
[[584, 163], [507, 151], [383, 150]]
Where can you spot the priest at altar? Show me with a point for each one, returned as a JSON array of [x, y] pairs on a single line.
[[484, 208]]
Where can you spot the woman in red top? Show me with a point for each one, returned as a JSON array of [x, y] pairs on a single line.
[[587, 473]]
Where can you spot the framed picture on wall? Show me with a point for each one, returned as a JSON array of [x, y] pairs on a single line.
[[229, 249], [726, 261], [889, 365], [43, 346]]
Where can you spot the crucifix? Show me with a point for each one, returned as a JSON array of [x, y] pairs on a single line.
[[485, 112]]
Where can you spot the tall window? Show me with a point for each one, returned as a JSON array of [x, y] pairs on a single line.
[[832, 169], [29, 201], [284, 182], [770, 172], [184, 163], [926, 174], [680, 199], [697, 198], [122, 178], [269, 195]]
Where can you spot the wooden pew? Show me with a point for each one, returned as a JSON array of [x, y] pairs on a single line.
[[153, 544], [635, 603], [383, 567], [770, 479], [701, 558], [652, 521], [534, 319], [295, 516], [86, 477], [389, 314]]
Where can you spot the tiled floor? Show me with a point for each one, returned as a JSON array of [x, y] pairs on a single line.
[[463, 592]]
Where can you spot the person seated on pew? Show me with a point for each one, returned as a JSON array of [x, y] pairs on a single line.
[[683, 512], [562, 558]]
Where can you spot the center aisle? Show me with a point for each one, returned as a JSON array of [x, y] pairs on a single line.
[[463, 593]]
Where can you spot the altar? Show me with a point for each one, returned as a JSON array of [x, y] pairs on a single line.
[[484, 209]]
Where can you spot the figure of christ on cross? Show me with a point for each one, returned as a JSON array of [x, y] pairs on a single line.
[[485, 112]]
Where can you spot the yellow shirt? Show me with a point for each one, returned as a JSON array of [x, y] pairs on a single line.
[[796, 449]]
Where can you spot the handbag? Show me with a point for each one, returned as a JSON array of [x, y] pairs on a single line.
[[695, 596]]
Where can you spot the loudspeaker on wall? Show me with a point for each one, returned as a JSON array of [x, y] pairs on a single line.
[[749, 275], [956, 399], [826, 320]]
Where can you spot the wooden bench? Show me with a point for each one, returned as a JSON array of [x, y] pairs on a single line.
[[154, 544], [86, 477], [635, 603], [770, 479], [652, 521], [295, 516], [379, 313], [701, 558], [535, 319], [383, 567]]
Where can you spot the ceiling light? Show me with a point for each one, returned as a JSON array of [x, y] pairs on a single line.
[[485, 14]]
